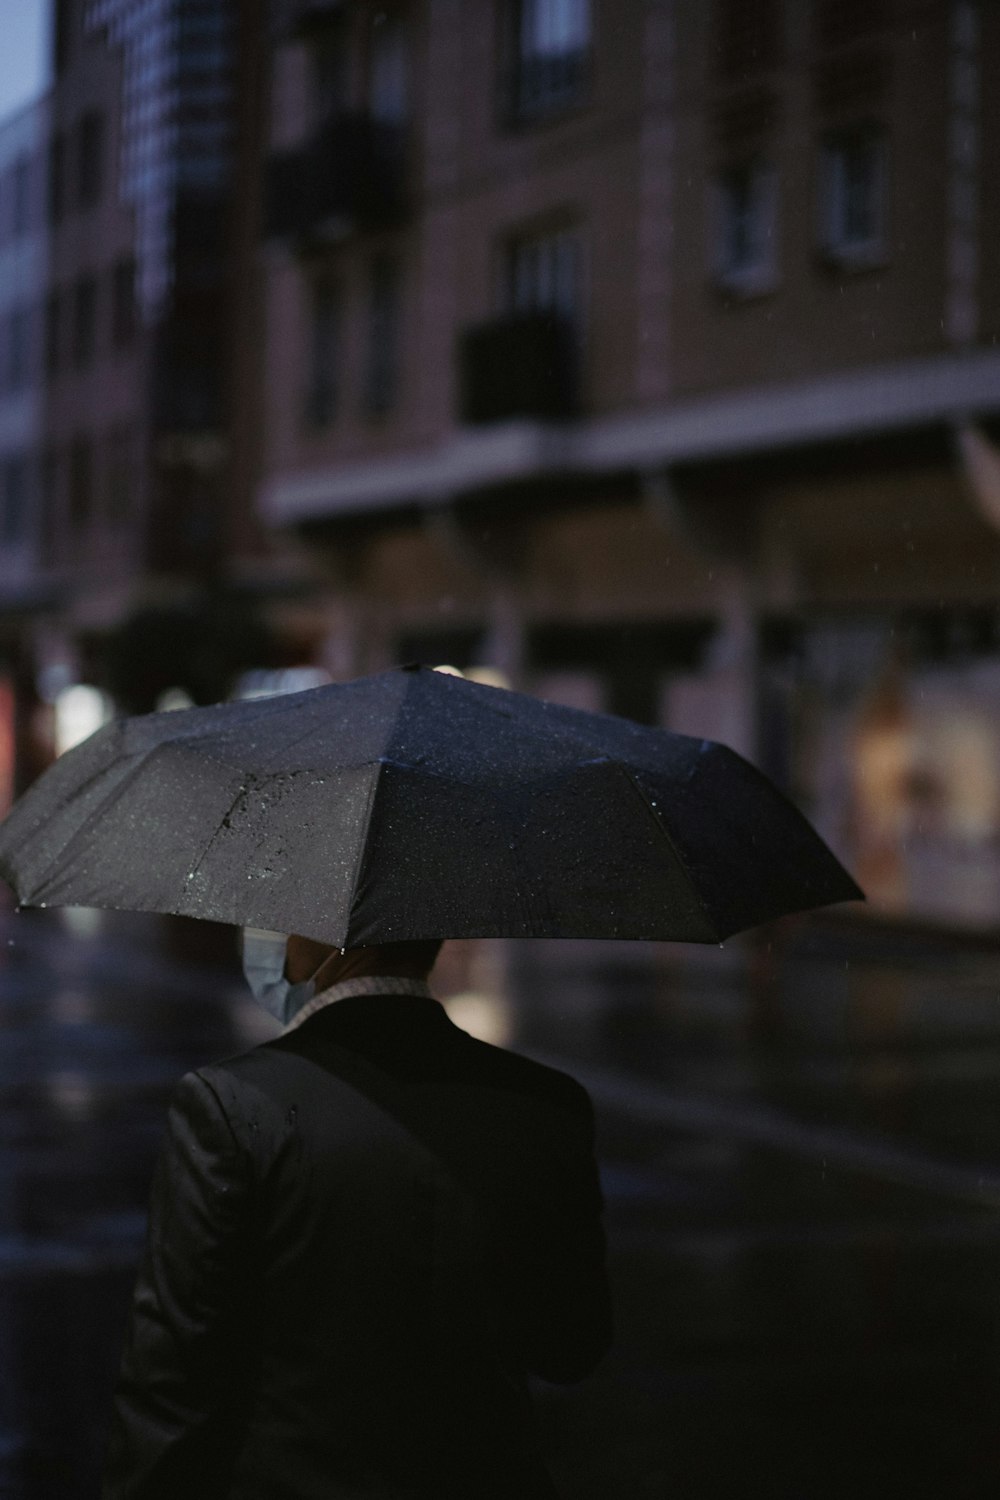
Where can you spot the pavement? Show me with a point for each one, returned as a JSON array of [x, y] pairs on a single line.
[[799, 1147]]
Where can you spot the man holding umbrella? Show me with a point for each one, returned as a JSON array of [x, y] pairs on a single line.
[[363, 1237], [366, 1234]]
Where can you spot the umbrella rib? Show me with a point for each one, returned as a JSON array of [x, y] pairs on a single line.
[[141, 757], [665, 834], [241, 795], [359, 866]]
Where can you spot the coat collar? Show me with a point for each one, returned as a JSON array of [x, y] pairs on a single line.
[[368, 985]]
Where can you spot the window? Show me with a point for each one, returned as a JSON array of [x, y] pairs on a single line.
[[90, 163], [123, 306], [388, 84], [382, 375], [550, 46], [853, 197], [14, 512], [18, 349], [20, 196], [53, 341], [57, 179], [84, 321], [746, 227], [324, 354], [50, 476], [120, 478], [81, 484], [543, 274], [329, 73]]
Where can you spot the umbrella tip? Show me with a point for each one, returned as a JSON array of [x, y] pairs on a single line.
[[412, 666]]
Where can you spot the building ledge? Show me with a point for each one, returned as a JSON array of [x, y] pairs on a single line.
[[907, 395]]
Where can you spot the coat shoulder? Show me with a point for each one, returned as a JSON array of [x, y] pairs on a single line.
[[525, 1075], [447, 1053]]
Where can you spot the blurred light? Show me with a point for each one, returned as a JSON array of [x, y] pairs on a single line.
[[964, 752], [486, 1017], [8, 743], [262, 683], [80, 710], [72, 1093], [174, 698], [82, 921], [981, 460], [489, 676]]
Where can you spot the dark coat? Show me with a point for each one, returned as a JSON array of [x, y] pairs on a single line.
[[364, 1236]]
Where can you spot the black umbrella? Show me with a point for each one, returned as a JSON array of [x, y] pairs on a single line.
[[414, 805]]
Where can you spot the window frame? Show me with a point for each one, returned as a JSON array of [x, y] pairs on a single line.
[[760, 274], [124, 303], [57, 179], [383, 357], [18, 348], [19, 188], [321, 396], [90, 157], [527, 99], [81, 484], [838, 246], [83, 330], [119, 455], [536, 238], [15, 520], [53, 318], [389, 46]]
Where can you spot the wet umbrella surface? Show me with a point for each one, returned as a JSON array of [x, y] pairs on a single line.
[[416, 804]]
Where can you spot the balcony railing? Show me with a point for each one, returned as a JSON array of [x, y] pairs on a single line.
[[348, 176], [523, 365]]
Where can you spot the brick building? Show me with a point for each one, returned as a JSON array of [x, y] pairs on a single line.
[[646, 352]]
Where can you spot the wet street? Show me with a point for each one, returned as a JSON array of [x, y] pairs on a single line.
[[800, 1157]]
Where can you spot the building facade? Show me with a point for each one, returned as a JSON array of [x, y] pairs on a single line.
[[646, 353], [25, 588], [126, 234]]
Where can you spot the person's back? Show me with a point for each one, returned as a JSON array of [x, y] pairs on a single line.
[[365, 1235]]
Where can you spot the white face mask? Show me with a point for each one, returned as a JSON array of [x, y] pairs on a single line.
[[264, 969]]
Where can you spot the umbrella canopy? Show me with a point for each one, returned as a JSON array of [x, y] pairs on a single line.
[[416, 805]]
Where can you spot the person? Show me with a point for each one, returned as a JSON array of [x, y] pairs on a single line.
[[364, 1237]]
